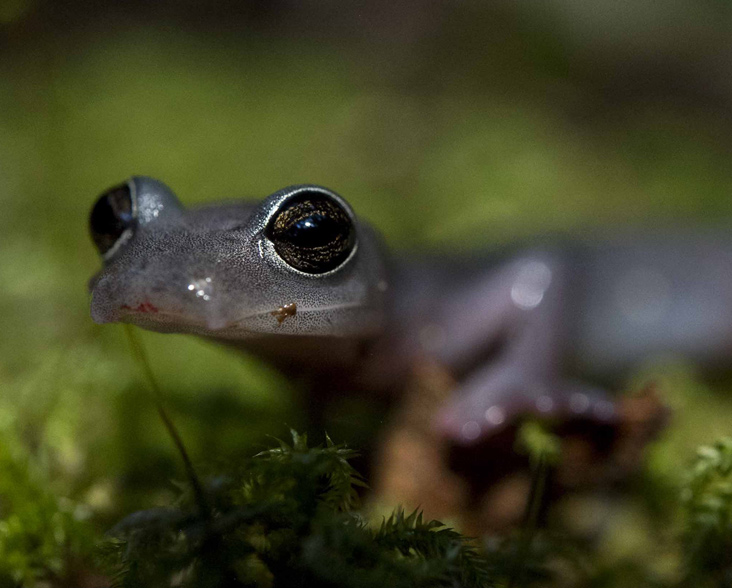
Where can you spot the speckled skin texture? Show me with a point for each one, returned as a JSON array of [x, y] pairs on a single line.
[[508, 330]]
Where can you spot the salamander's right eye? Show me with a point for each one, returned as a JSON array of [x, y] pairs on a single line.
[[112, 218], [312, 232]]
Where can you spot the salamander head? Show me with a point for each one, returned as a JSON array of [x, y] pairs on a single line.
[[297, 263]]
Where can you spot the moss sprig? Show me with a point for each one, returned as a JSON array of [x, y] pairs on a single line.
[[707, 502]]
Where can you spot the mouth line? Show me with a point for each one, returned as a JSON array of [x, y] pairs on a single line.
[[156, 315]]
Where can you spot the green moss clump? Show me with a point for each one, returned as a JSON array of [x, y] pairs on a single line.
[[287, 519], [43, 539]]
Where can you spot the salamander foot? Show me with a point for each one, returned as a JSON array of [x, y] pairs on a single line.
[[486, 408]]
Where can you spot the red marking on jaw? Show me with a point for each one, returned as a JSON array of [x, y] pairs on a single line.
[[143, 307]]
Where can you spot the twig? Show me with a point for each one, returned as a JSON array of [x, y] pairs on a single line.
[[138, 351]]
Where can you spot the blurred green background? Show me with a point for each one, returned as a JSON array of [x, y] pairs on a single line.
[[446, 124]]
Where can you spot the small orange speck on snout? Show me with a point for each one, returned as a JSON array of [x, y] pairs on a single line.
[[284, 311]]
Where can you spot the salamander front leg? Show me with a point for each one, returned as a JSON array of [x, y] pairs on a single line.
[[525, 378], [498, 396]]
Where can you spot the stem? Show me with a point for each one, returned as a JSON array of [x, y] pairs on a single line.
[[138, 351], [540, 470]]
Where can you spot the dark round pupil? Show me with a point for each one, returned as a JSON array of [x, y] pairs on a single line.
[[111, 216], [315, 230]]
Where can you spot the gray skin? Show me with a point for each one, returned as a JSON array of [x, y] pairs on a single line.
[[509, 329]]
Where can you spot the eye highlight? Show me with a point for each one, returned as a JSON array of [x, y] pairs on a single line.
[[111, 216], [312, 233]]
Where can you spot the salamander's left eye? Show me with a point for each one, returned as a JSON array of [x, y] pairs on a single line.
[[112, 216], [312, 232]]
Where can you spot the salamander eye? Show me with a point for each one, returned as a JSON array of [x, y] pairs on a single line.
[[112, 216], [312, 232]]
